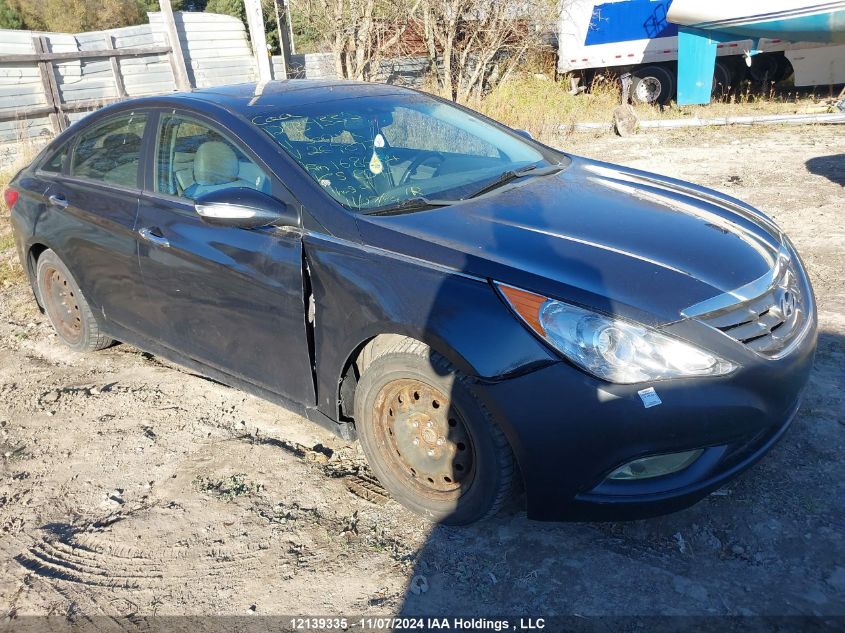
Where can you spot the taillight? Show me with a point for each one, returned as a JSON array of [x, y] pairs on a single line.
[[10, 196]]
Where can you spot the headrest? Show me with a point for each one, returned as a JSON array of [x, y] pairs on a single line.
[[323, 129], [215, 163]]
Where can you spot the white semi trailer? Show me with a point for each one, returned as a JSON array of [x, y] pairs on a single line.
[[635, 36]]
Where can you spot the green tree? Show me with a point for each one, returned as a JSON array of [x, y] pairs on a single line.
[[9, 18], [75, 16], [147, 6], [235, 8]]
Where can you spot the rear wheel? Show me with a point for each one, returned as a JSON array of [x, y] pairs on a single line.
[[722, 79], [65, 306], [428, 437], [769, 68], [652, 85]]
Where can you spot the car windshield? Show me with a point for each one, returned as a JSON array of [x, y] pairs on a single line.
[[398, 151]]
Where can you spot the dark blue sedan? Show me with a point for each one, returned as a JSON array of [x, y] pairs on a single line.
[[477, 308]]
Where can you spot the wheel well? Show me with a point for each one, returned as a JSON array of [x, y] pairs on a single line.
[[358, 361], [35, 251]]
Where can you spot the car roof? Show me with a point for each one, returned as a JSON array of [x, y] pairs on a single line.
[[288, 92]]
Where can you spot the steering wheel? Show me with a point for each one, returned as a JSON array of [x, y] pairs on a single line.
[[418, 162]]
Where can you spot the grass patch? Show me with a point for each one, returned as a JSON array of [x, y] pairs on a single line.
[[545, 107], [228, 488], [11, 271]]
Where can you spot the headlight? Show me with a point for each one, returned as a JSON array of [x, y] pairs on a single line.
[[609, 348]]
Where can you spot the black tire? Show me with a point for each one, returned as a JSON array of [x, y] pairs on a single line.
[[769, 68], [654, 85], [66, 307], [722, 79], [483, 483]]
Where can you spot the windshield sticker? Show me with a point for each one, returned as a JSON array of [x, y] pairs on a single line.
[[378, 141], [375, 165]]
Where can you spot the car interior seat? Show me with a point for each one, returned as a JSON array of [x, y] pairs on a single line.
[[118, 160], [215, 167]]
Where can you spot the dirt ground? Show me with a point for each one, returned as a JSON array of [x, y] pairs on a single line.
[[130, 487]]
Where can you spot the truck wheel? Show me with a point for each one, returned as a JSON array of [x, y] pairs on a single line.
[[769, 67], [429, 439], [652, 85], [66, 307], [722, 79]]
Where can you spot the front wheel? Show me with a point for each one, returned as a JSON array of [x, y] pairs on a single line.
[[429, 439], [65, 306]]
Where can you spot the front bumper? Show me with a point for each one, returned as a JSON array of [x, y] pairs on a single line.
[[569, 431]]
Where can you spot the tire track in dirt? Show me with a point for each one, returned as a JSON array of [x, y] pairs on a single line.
[[84, 554]]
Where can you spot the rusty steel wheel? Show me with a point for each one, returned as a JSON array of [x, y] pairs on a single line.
[[422, 439], [428, 437], [61, 305], [62, 300]]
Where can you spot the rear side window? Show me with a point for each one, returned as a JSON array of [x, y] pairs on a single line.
[[195, 158], [56, 162], [111, 151]]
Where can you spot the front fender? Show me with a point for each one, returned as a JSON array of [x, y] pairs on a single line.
[[360, 292]]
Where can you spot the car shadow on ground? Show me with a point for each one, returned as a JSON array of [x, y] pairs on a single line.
[[766, 544], [831, 167]]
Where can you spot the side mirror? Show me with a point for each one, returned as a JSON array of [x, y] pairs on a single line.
[[244, 208], [524, 133]]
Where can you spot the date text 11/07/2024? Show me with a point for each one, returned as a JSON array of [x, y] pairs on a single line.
[[421, 623]]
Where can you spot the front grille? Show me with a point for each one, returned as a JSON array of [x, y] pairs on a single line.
[[766, 315]]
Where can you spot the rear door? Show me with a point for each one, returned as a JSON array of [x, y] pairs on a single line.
[[93, 208], [231, 298]]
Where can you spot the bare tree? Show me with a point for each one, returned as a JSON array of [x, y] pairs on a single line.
[[359, 32], [473, 44]]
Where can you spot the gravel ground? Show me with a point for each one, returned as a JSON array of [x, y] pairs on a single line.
[[128, 486]]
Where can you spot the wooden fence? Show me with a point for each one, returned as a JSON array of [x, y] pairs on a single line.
[[50, 80], [56, 108]]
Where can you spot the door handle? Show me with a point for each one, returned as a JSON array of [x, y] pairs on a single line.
[[153, 235], [58, 200]]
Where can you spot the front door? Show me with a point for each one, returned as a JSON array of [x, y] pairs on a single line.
[[231, 298]]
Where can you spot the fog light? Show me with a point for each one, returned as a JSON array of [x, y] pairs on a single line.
[[656, 466]]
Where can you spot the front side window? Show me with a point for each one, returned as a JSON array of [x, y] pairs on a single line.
[[193, 159], [374, 153], [111, 151]]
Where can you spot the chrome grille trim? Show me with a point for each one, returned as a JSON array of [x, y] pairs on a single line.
[[749, 291], [767, 315]]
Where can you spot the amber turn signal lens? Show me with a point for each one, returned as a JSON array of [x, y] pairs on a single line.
[[527, 305]]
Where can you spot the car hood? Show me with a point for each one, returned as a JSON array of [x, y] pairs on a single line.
[[619, 240]]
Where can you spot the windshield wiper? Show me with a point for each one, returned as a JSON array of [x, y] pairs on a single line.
[[412, 204], [512, 174]]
